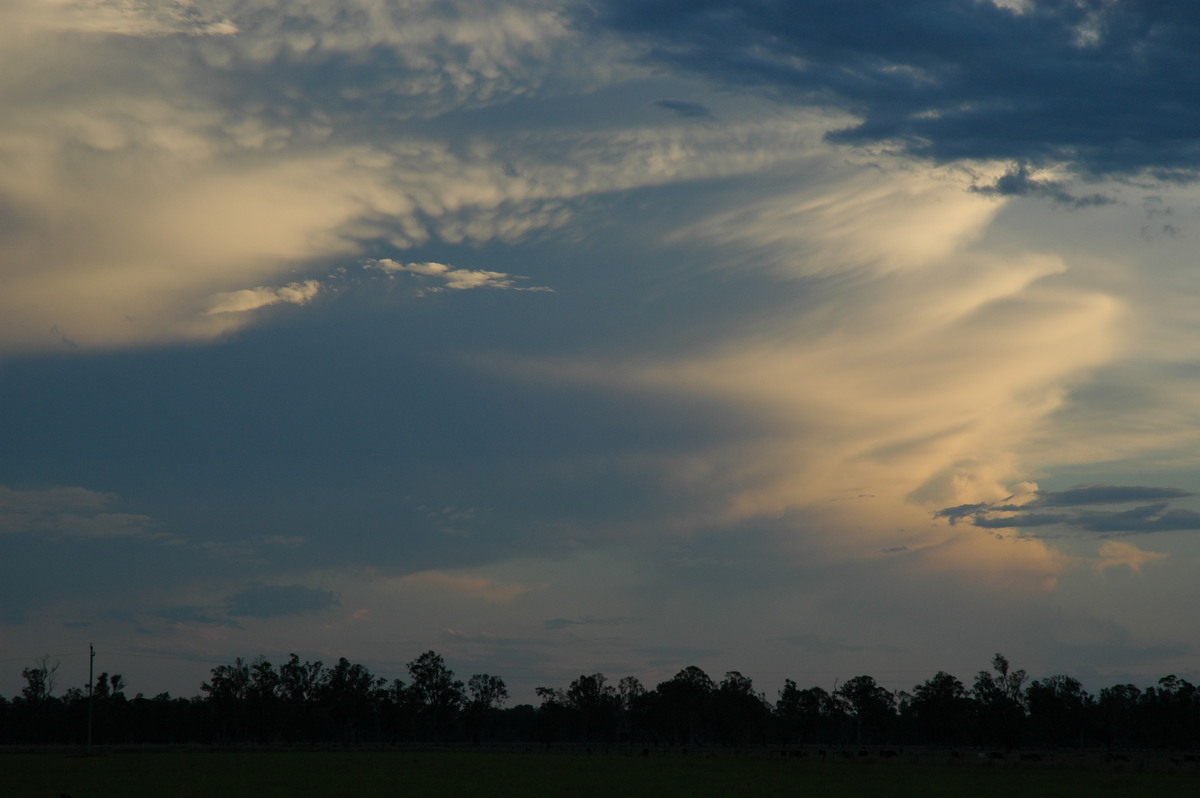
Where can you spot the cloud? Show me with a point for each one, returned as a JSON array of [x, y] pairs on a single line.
[[124, 17], [249, 299], [434, 55], [1106, 494], [921, 362], [194, 615], [686, 108], [466, 585], [1019, 181], [455, 279], [158, 171], [1115, 553], [70, 512], [1062, 511], [273, 601], [586, 620], [831, 643], [1099, 86]]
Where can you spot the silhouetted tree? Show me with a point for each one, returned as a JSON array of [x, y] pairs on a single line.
[[298, 686], [1060, 711], [810, 715], [227, 689], [350, 695], [1120, 717], [999, 703], [39, 681], [436, 694], [595, 706], [872, 708], [1172, 713], [631, 693], [941, 709], [487, 694], [742, 715], [307, 702], [681, 709]]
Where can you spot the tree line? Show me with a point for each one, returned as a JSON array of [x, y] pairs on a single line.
[[309, 703]]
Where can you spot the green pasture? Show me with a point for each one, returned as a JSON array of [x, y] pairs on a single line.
[[285, 774]]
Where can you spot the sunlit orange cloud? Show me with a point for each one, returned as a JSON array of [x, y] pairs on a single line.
[[1116, 553], [921, 385], [147, 210]]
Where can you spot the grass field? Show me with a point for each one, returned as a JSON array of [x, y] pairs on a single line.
[[286, 774]]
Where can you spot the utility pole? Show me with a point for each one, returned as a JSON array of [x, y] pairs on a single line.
[[91, 668]]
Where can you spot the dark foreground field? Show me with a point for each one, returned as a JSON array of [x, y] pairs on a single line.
[[437, 773]]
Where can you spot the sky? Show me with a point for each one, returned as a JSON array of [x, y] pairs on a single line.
[[803, 339]]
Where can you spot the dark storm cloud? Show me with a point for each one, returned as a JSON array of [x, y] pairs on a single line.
[[1063, 510], [1107, 494], [1107, 87], [272, 601]]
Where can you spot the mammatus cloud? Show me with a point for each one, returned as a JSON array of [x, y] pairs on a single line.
[[454, 279], [150, 173], [1060, 512], [70, 513]]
